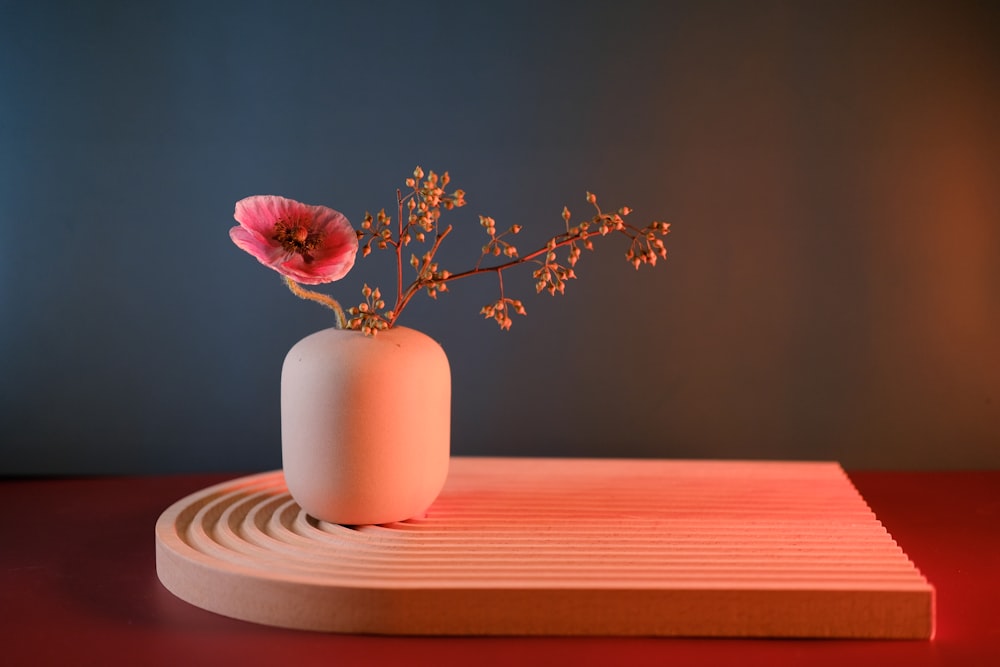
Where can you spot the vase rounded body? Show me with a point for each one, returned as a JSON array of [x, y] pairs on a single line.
[[365, 424]]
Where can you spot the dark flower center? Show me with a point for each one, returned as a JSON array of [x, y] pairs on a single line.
[[297, 237]]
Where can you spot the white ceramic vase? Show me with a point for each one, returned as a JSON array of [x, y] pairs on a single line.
[[365, 424]]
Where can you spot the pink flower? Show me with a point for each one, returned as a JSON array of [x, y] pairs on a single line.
[[309, 244]]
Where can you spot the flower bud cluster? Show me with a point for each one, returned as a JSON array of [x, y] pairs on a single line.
[[497, 246], [429, 274], [500, 309], [366, 316], [646, 246], [552, 275], [427, 199]]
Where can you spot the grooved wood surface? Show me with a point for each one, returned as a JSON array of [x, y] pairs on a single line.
[[520, 546]]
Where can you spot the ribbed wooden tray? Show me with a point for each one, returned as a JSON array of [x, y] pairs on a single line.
[[561, 547]]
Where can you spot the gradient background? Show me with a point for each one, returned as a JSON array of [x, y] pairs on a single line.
[[830, 170]]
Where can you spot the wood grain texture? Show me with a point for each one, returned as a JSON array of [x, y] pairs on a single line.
[[561, 547]]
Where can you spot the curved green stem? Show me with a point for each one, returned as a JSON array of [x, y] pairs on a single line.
[[322, 299]]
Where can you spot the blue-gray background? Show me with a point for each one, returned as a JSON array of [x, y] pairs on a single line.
[[830, 169]]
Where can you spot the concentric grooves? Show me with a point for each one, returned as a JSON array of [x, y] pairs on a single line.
[[561, 546]]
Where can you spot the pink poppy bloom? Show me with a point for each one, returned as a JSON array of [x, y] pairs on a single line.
[[309, 244]]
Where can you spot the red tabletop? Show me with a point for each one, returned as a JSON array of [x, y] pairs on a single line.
[[79, 587]]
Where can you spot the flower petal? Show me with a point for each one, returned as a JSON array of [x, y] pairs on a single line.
[[266, 251], [260, 212]]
